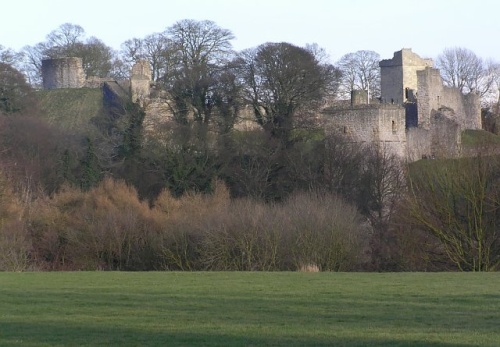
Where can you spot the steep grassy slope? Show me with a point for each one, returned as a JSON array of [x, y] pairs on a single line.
[[472, 138], [72, 109]]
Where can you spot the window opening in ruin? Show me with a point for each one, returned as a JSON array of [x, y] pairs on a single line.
[[407, 92], [393, 127], [344, 130]]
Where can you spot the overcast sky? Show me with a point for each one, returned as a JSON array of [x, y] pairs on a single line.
[[339, 26]]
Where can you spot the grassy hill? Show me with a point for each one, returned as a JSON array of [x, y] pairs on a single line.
[[473, 138], [72, 109]]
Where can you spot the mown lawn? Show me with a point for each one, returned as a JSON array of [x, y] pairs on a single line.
[[249, 309]]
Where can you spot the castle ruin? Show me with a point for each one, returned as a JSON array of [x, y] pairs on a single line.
[[416, 116], [63, 73], [140, 81]]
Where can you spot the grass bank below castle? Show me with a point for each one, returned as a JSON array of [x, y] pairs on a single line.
[[71, 109], [249, 309]]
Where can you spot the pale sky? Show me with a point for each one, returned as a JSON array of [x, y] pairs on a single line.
[[339, 26]]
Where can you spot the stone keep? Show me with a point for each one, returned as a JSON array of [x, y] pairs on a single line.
[[140, 81], [398, 76], [63, 73]]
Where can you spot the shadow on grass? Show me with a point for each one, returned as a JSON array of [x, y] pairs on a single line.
[[46, 334]]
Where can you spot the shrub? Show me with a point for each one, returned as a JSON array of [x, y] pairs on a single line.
[[321, 230], [15, 244]]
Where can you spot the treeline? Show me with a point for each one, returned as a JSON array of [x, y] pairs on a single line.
[[446, 220], [250, 204], [196, 194], [356, 211], [460, 67]]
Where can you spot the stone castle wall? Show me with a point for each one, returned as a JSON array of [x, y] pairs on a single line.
[[359, 97], [430, 90], [140, 81], [446, 136], [380, 124], [62, 73], [418, 143], [418, 116], [434, 96]]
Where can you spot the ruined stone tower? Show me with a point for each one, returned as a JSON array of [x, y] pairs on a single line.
[[398, 76], [140, 80], [63, 73]]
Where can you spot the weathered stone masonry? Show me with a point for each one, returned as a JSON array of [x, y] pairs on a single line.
[[426, 118], [416, 116], [63, 73]]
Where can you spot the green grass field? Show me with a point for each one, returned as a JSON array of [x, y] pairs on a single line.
[[249, 309]]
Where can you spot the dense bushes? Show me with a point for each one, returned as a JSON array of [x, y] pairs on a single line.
[[108, 227], [15, 243]]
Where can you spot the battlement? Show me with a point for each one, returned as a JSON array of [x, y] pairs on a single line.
[[405, 57]]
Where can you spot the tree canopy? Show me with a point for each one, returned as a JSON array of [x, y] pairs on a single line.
[[282, 80]]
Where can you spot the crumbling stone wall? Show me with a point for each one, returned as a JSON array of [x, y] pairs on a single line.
[[418, 142], [140, 81], [379, 124], [359, 97], [433, 96], [446, 135], [430, 93], [62, 73], [97, 82]]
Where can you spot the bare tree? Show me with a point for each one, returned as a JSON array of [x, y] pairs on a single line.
[[8, 56], [68, 41], [201, 49], [32, 63], [463, 69], [200, 42], [158, 49], [66, 36], [360, 71], [15, 94], [132, 50], [458, 203]]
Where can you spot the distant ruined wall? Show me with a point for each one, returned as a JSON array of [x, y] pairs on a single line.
[[430, 94], [97, 82], [359, 97], [446, 136], [433, 96], [472, 108], [62, 73], [140, 81], [398, 74], [378, 124], [418, 142]]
